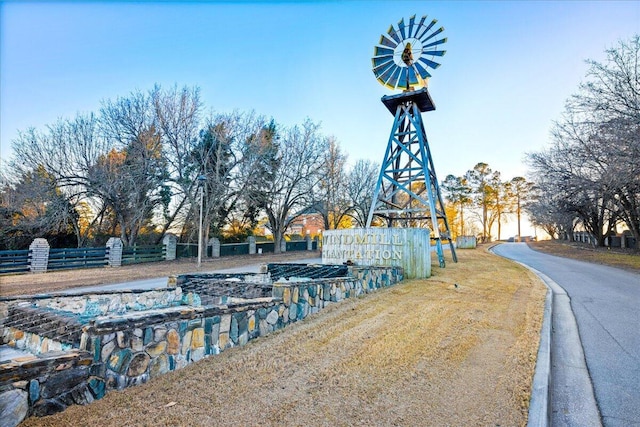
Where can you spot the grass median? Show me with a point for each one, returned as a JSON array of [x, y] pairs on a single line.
[[456, 349]]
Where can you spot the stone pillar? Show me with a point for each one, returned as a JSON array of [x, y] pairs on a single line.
[[214, 242], [283, 245], [309, 243], [39, 255], [466, 242], [115, 251], [623, 241], [252, 244], [170, 243]]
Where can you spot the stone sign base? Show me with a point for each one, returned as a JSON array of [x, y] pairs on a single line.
[[408, 248]]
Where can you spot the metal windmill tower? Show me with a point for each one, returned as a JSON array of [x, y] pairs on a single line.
[[407, 192]]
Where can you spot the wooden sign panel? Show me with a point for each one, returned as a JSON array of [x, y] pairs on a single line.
[[408, 248]]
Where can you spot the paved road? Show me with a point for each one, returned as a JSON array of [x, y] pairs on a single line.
[[606, 305]]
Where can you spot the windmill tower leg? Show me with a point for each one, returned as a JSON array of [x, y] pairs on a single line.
[[407, 192]]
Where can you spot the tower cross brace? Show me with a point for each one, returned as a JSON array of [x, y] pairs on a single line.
[[407, 193]]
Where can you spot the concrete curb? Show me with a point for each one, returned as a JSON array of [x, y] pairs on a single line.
[[539, 412], [580, 409], [539, 409]]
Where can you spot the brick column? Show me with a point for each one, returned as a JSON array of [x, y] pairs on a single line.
[[39, 255]]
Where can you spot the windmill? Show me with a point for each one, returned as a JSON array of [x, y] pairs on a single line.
[[407, 192]]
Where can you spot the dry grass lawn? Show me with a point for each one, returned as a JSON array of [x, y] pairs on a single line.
[[424, 352], [620, 258]]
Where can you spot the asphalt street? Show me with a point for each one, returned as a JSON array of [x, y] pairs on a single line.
[[605, 303]]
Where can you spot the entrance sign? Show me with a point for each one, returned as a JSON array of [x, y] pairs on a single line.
[[408, 248]]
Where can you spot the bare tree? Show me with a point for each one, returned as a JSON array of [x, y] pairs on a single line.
[[131, 177], [33, 206], [359, 187], [595, 147], [290, 176], [331, 199], [66, 150], [178, 117], [220, 156]]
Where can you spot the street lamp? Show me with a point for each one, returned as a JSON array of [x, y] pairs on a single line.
[[201, 181]]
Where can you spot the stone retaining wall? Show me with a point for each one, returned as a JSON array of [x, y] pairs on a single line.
[[129, 347]]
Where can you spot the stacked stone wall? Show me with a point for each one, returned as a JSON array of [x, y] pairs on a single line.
[[131, 347]]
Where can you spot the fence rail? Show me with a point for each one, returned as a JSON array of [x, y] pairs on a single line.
[[234, 249], [69, 258], [265, 246], [41, 258], [140, 254], [15, 261]]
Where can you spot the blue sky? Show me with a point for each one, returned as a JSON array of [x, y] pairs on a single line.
[[509, 66]]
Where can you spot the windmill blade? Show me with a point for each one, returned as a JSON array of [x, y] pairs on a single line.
[[402, 80], [435, 43], [433, 52], [386, 75], [392, 82], [419, 26], [412, 21], [423, 71], [392, 32], [429, 63], [382, 51], [381, 60], [382, 68], [432, 35], [386, 41], [401, 29], [412, 76], [426, 30]]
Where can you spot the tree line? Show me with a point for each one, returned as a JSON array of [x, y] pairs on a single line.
[[480, 202], [589, 175], [145, 163]]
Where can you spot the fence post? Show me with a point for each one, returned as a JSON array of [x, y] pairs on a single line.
[[39, 255], [170, 243], [309, 242], [252, 244], [214, 242], [115, 251]]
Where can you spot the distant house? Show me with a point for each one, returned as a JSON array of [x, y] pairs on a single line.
[[311, 224]]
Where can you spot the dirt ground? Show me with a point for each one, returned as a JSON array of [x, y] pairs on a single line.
[[425, 352], [29, 284]]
